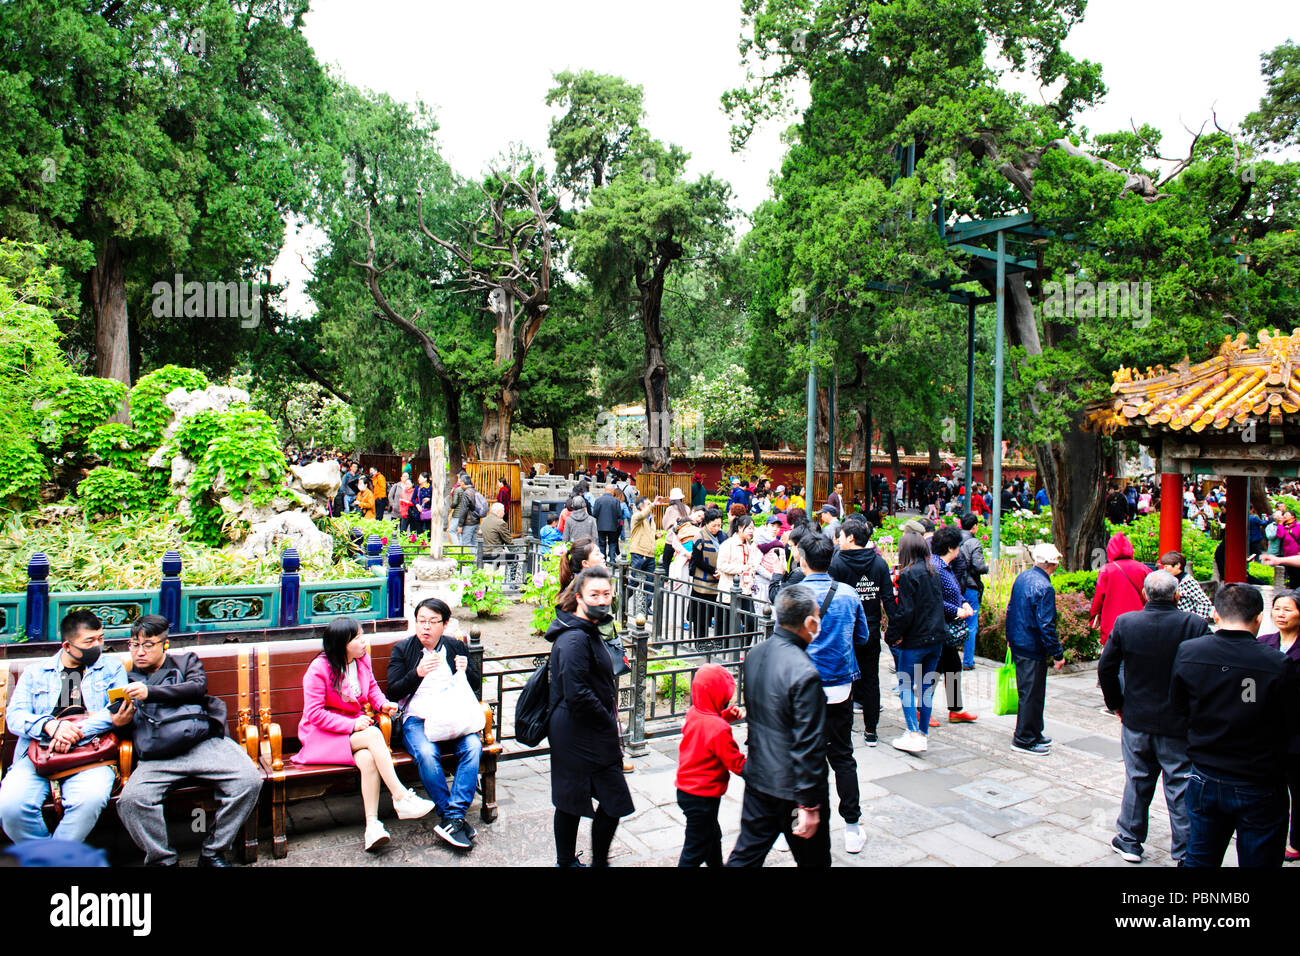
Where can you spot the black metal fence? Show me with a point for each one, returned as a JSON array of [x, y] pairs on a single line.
[[668, 627]]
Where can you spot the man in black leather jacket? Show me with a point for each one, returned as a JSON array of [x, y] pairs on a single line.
[[180, 734], [785, 768]]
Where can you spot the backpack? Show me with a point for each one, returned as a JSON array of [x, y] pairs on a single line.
[[480, 504], [533, 709]]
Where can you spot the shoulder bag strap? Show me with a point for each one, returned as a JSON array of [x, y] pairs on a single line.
[[826, 601]]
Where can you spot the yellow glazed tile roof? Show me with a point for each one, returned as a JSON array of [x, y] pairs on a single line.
[[1224, 393]]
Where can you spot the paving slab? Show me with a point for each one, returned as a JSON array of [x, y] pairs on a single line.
[[993, 792], [930, 788], [1057, 845]]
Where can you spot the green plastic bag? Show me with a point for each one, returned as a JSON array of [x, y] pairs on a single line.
[[1008, 698]]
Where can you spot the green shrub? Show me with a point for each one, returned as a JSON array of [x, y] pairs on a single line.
[[664, 686], [149, 414], [1078, 640], [72, 406], [111, 491], [1070, 582], [197, 433], [118, 446], [246, 451]]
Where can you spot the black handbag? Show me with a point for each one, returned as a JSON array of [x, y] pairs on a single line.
[[958, 631], [617, 655], [168, 730]]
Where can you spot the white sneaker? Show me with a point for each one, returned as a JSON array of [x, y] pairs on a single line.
[[780, 845], [376, 835], [412, 806], [922, 742], [908, 743], [854, 840]]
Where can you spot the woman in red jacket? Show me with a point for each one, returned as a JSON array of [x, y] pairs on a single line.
[[334, 728], [1119, 586], [706, 758], [503, 496]]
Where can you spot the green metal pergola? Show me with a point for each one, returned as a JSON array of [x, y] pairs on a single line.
[[1020, 233]]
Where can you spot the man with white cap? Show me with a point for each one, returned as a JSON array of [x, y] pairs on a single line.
[[1031, 635]]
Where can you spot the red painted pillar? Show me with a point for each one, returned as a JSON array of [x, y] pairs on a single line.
[[1235, 534], [1171, 512]]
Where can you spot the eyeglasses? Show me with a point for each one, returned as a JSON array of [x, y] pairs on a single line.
[[147, 645]]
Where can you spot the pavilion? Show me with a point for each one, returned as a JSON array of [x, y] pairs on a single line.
[[1236, 415]]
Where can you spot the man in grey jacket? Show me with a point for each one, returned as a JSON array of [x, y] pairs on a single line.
[[785, 768], [580, 524], [464, 519]]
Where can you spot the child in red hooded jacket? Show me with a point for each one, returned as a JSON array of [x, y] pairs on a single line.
[[706, 758]]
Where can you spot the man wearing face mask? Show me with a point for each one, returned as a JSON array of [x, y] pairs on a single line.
[[75, 681], [585, 756], [786, 789]]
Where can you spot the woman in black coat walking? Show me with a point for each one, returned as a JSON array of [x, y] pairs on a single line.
[[586, 761]]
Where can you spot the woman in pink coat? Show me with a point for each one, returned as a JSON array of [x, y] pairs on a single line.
[[1119, 586], [335, 729]]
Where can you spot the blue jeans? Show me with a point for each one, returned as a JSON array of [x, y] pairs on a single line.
[[468, 749], [1216, 807], [22, 792], [968, 653], [643, 567], [918, 666]]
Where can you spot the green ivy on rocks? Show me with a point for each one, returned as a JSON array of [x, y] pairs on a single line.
[[111, 491], [197, 433], [245, 450], [72, 406], [118, 446], [149, 414]]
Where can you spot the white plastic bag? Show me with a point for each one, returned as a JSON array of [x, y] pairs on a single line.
[[447, 705]]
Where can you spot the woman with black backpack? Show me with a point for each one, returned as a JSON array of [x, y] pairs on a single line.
[[586, 760]]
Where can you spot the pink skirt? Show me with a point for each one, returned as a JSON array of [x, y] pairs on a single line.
[[322, 746]]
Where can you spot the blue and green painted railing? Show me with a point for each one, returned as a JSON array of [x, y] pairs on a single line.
[[379, 594]]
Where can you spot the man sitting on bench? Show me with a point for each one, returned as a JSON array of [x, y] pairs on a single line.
[[180, 732], [419, 667], [74, 682]]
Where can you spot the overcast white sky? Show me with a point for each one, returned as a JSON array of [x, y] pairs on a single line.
[[486, 68]]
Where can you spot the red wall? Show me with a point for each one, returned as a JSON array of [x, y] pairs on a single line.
[[784, 474]]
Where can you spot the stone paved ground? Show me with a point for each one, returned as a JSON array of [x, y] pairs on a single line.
[[969, 801]]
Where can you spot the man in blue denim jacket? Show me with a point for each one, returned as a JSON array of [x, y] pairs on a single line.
[[76, 677], [1031, 635], [843, 623]]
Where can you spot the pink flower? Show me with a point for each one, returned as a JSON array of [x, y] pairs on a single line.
[[384, 540], [479, 595]]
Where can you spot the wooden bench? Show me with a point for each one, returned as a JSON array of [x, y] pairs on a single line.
[[229, 673], [280, 668]]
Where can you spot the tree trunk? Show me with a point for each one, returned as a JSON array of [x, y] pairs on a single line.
[[984, 445], [936, 464], [821, 434], [758, 449], [112, 331], [894, 466], [498, 413], [655, 453], [559, 442], [455, 451], [861, 457], [1072, 468]]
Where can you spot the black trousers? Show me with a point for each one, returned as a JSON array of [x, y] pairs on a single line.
[[763, 818], [839, 754], [1031, 684], [866, 689], [702, 607], [703, 843], [609, 545], [1293, 785]]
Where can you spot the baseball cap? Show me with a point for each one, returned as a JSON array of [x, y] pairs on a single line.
[[1045, 553], [828, 510]]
